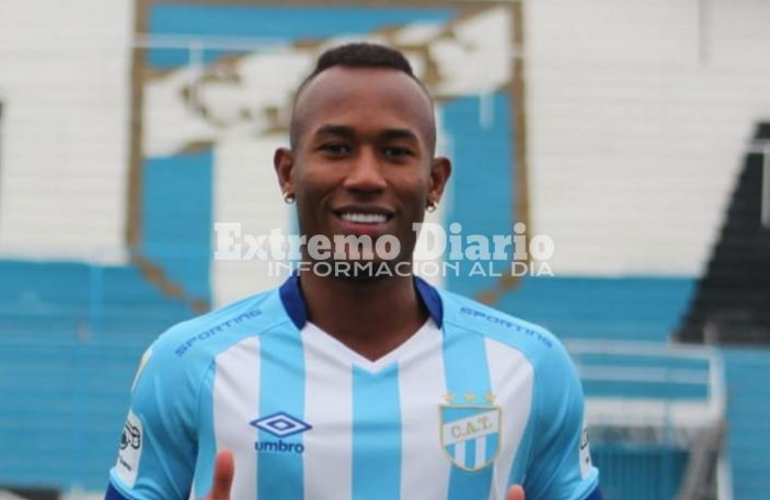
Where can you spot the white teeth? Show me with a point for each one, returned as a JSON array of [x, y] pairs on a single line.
[[364, 218]]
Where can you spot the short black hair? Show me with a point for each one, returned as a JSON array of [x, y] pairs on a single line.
[[362, 55], [357, 55]]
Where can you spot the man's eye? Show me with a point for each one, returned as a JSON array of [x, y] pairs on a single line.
[[397, 152], [335, 148]]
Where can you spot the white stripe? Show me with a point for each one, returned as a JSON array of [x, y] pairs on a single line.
[[511, 378], [460, 454], [425, 466], [328, 457], [481, 451], [236, 403]]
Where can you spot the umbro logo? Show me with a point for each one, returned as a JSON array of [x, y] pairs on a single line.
[[280, 425]]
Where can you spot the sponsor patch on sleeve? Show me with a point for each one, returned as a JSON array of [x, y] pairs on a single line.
[[130, 452], [585, 454]]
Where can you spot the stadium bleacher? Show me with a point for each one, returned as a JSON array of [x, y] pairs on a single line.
[[66, 363], [748, 413], [731, 303]]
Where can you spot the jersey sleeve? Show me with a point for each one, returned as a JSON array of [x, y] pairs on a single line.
[[157, 451], [560, 460]]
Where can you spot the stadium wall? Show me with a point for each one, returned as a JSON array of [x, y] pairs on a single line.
[[64, 85], [638, 117], [637, 114]]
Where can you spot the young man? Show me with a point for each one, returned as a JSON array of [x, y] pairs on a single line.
[[372, 385]]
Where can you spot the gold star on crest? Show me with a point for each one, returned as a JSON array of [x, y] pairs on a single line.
[[490, 397], [469, 397]]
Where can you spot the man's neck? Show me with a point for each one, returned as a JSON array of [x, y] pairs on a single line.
[[371, 317]]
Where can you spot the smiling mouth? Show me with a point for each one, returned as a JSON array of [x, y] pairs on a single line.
[[357, 217]]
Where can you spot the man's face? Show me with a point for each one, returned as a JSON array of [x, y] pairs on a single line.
[[363, 159]]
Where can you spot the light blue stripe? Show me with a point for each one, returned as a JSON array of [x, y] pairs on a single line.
[[467, 372], [470, 453], [484, 176], [177, 218], [207, 446], [376, 434], [283, 24], [282, 389], [492, 443]]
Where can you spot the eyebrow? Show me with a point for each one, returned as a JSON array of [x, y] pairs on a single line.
[[341, 130], [399, 133], [346, 131]]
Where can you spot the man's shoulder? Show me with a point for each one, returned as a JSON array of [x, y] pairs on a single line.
[[202, 338], [534, 341]]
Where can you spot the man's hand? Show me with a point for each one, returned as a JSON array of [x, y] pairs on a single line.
[[515, 493], [224, 469]]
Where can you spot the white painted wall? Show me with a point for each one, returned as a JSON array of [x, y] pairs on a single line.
[[247, 193], [64, 83], [638, 114]]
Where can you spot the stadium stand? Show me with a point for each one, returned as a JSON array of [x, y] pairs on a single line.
[[731, 306], [748, 434], [63, 353], [648, 406], [732, 299]]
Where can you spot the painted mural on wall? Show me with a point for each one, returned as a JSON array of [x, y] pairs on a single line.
[[211, 75]]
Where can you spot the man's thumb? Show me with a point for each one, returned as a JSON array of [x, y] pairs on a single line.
[[224, 469], [515, 493]]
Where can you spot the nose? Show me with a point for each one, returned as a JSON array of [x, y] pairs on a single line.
[[365, 174]]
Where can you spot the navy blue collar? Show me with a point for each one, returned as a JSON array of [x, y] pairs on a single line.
[[294, 302]]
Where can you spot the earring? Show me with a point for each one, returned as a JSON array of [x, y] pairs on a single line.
[[289, 198], [432, 205]]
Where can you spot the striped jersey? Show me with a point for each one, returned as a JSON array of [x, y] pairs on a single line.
[[473, 402]]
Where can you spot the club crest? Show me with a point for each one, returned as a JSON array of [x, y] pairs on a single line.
[[470, 433]]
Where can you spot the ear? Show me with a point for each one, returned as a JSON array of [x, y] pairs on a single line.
[[283, 161], [440, 170]]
